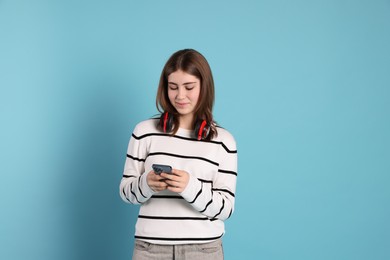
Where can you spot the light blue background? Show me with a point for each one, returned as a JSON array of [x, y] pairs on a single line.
[[303, 85]]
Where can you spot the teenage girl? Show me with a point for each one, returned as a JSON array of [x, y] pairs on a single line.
[[182, 209]]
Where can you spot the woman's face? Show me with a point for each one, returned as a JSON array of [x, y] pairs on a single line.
[[183, 93]]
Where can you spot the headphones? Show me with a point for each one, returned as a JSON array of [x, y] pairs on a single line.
[[201, 130]]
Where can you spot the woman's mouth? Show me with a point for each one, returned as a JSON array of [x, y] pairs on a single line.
[[181, 104]]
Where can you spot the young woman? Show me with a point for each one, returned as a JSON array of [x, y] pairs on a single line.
[[182, 208]]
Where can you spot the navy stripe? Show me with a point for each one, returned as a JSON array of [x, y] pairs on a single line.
[[223, 205], [184, 138], [129, 176], [207, 181], [224, 190], [166, 197], [139, 187], [231, 211], [173, 155], [227, 172], [184, 157], [227, 149], [131, 190], [208, 204], [135, 158], [124, 193], [147, 135], [172, 218], [179, 238], [197, 195]]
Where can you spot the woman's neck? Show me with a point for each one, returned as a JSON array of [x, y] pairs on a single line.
[[185, 122]]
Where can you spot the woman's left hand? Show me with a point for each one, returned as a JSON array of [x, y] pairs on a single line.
[[177, 181]]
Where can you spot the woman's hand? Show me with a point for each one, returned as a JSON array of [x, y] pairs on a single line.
[[156, 182], [177, 181]]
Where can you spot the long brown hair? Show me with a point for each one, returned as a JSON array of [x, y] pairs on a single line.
[[194, 63]]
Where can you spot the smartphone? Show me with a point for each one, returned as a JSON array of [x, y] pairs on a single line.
[[159, 168]]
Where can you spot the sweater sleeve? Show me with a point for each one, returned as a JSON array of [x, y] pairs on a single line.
[[133, 187], [216, 199]]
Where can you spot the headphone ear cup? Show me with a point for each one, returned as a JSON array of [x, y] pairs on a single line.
[[166, 122], [202, 129]]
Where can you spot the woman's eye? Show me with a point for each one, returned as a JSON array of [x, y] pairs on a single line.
[[189, 88], [172, 88]]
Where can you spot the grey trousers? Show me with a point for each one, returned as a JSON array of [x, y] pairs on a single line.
[[206, 251]]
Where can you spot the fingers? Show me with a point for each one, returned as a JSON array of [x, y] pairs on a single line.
[[177, 172], [174, 175], [159, 185], [171, 179], [177, 181], [156, 182], [174, 183], [175, 189]]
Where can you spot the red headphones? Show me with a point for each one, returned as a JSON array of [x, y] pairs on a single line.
[[201, 130]]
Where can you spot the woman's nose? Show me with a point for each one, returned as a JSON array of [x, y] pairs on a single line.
[[181, 93]]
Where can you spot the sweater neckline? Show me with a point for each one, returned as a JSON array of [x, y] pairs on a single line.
[[185, 132]]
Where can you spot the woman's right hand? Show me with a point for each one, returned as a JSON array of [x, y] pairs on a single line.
[[156, 182]]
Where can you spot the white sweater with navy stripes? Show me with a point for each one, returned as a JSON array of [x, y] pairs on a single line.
[[196, 215]]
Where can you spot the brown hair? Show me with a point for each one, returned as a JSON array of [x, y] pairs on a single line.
[[194, 63]]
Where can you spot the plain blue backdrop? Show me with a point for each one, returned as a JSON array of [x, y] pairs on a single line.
[[304, 86]]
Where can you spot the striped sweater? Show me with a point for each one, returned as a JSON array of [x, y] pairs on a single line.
[[195, 215]]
